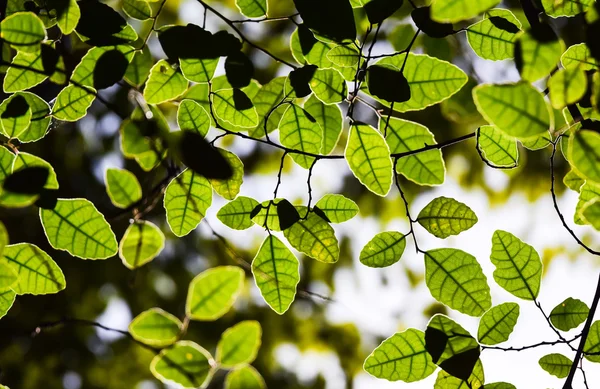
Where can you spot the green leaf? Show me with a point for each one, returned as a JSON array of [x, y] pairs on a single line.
[[588, 192], [15, 116], [69, 17], [383, 250], [229, 110], [122, 187], [134, 144], [452, 11], [24, 160], [276, 273], [199, 70], [6, 301], [475, 381], [89, 70], [498, 323], [431, 80], [368, 157], [536, 59], [38, 273], [567, 8], [185, 364], [253, 8], [191, 116], [164, 84], [518, 110], [229, 189], [300, 131], [244, 377], [592, 343], [40, 118], [493, 41], [573, 181], [236, 214], [137, 9], [518, 265], [579, 56], [455, 278], [270, 220], [498, 385], [9, 277], [556, 364], [337, 208], [329, 118], [403, 136], [155, 327], [445, 216], [569, 314], [496, 147], [346, 56], [76, 226], [3, 232], [329, 86], [187, 198], [584, 153], [590, 213], [314, 237], [268, 107], [28, 71], [401, 357], [24, 31], [72, 103], [139, 67], [567, 86], [143, 241], [239, 344], [213, 292]]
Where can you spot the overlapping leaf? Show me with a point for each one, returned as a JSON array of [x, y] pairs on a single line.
[[38, 273], [337, 208], [187, 198], [329, 118], [314, 237], [164, 83], [496, 147], [300, 131], [494, 37]]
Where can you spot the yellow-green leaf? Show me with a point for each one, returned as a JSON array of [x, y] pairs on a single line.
[[143, 241], [496, 147], [186, 201], [569, 314], [164, 84], [244, 377], [239, 344], [558, 8], [493, 41], [185, 364], [536, 59], [229, 189], [38, 273], [584, 154], [236, 214], [337, 208], [329, 86], [191, 116], [445, 216], [122, 187], [24, 31], [155, 327], [452, 11], [213, 292], [252, 8], [498, 323], [556, 364], [567, 86], [72, 103], [314, 237]]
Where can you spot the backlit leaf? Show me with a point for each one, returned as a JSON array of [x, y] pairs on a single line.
[[164, 83], [25, 160], [276, 273], [569, 314], [76, 226], [368, 156], [329, 86], [72, 103], [187, 198], [267, 102], [383, 250], [252, 8], [556, 364], [6, 301], [230, 188], [236, 214], [592, 344], [122, 187], [346, 56], [403, 136], [452, 11], [8, 277], [475, 380], [24, 31], [244, 377], [493, 38], [235, 107], [15, 116], [573, 181], [314, 237], [584, 153], [329, 118], [239, 344], [558, 8], [143, 241], [536, 58], [213, 292], [300, 131], [518, 110], [191, 116], [401, 357], [498, 323], [199, 70], [579, 56], [567, 86], [518, 265], [38, 273], [445, 216], [185, 364], [137, 9], [496, 147], [337, 208], [102, 67], [155, 327], [139, 68], [69, 16], [40, 118], [455, 278]]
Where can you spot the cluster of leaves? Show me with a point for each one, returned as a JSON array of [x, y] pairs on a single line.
[[305, 108]]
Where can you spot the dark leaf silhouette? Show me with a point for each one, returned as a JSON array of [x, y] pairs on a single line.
[[241, 101], [319, 212], [543, 33], [388, 83], [287, 213], [333, 19], [48, 199], [31, 6], [256, 211], [589, 124], [592, 33], [201, 157], [422, 18], [109, 69], [300, 78], [175, 42], [504, 24], [461, 365], [28, 181], [435, 343], [99, 22], [379, 10], [307, 39], [59, 6], [50, 59], [239, 70], [17, 107]]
